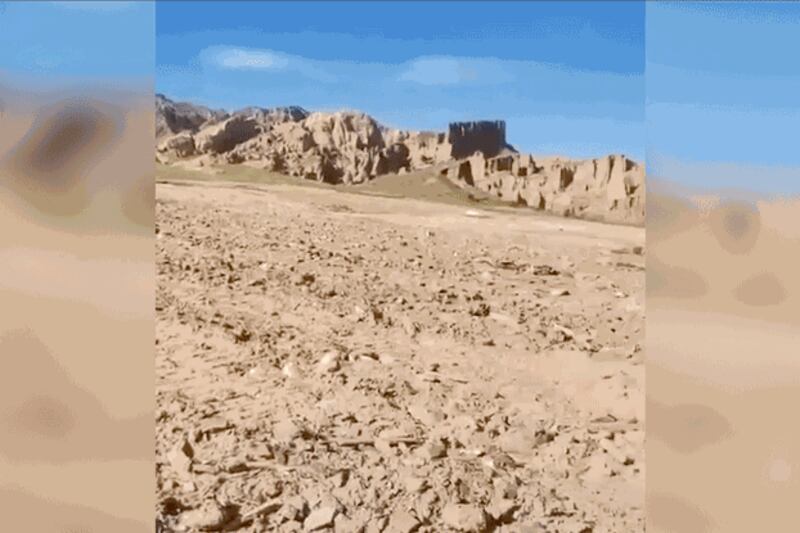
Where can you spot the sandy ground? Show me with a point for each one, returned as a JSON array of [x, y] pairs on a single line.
[[361, 363]]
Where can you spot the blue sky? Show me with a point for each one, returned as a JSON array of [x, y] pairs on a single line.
[[566, 76], [51, 41], [723, 95]]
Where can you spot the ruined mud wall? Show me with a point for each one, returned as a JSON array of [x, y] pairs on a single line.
[[484, 136]]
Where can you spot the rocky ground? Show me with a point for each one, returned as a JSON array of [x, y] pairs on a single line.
[[345, 362]]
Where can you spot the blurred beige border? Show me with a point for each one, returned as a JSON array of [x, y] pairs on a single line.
[[723, 365], [77, 315]]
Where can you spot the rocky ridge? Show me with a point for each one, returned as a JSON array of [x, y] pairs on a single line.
[[350, 147]]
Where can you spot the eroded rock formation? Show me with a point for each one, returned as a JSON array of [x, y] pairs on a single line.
[[609, 188], [341, 147], [350, 147]]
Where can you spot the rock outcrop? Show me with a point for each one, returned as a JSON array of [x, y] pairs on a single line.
[[226, 135], [176, 117], [342, 147], [349, 147], [181, 144], [609, 188]]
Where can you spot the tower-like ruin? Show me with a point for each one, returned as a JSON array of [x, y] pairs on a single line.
[[486, 136]]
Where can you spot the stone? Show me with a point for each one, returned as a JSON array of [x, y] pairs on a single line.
[[290, 370], [340, 478], [414, 484], [345, 524], [329, 362], [402, 521], [209, 517], [504, 489], [286, 431], [320, 518], [305, 279], [465, 518], [562, 334], [294, 509], [377, 524], [271, 488], [433, 449], [180, 457], [424, 505], [502, 509], [384, 446]]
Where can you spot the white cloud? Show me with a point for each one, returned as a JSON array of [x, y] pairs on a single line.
[[451, 70], [429, 71], [424, 70], [245, 58], [264, 60]]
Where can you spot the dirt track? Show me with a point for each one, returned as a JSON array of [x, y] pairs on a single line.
[[395, 365]]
